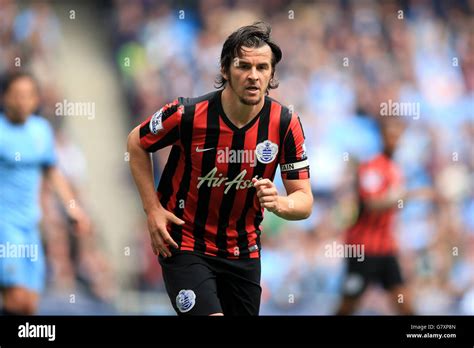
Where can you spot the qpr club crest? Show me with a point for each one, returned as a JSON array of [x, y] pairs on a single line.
[[266, 151], [185, 300], [155, 123]]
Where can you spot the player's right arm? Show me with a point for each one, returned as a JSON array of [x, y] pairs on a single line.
[[377, 194], [156, 132]]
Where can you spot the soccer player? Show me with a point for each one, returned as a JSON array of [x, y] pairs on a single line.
[[204, 221], [27, 156], [380, 189]]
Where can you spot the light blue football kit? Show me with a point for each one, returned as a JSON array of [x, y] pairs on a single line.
[[25, 150]]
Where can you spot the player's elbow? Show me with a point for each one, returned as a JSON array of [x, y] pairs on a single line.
[[307, 207], [133, 139], [304, 202]]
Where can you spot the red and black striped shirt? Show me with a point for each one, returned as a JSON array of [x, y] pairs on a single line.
[[374, 228], [207, 180]]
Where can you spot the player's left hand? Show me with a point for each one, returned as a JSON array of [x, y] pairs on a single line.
[[267, 194], [80, 220]]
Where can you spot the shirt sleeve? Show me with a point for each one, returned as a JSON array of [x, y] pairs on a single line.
[[50, 158], [294, 163], [162, 128]]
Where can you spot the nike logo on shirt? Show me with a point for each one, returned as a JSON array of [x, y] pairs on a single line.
[[202, 150]]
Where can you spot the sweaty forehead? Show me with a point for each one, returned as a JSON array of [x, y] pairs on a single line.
[[260, 54]]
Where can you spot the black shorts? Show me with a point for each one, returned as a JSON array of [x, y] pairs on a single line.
[[383, 270], [203, 285]]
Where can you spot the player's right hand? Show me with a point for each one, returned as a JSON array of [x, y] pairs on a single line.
[[158, 220]]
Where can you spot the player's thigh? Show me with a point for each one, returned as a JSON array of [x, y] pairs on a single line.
[[238, 286], [391, 274], [20, 300], [348, 304], [191, 284], [357, 278]]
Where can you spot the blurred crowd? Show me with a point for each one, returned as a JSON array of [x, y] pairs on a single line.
[[30, 36], [341, 60]]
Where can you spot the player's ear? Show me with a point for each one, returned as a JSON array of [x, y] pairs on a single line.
[[224, 73]]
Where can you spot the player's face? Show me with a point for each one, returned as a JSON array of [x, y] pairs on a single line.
[[391, 133], [250, 74], [21, 99]]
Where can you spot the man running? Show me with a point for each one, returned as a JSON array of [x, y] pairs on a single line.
[[204, 221]]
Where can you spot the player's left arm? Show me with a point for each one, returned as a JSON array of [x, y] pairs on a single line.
[[61, 185], [296, 205], [294, 167], [63, 189]]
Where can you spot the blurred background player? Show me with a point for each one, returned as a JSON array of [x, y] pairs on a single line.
[[381, 193], [27, 155]]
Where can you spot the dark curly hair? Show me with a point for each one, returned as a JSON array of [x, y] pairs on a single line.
[[255, 36]]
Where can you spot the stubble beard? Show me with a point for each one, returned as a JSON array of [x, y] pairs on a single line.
[[243, 100]]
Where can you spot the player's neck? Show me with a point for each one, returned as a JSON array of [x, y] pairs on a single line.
[[14, 119], [240, 114], [388, 153]]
